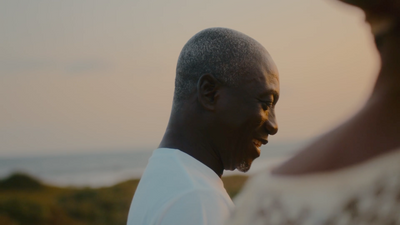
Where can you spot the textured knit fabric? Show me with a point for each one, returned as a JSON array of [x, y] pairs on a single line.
[[366, 193]]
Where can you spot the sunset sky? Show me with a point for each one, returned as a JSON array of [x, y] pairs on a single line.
[[98, 75]]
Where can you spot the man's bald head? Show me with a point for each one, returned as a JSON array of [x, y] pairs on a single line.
[[226, 89], [226, 54]]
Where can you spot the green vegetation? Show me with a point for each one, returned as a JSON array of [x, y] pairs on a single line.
[[25, 200]]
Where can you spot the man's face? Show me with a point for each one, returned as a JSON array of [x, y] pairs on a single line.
[[246, 116]]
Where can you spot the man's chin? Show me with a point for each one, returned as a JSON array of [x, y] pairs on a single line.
[[243, 167]]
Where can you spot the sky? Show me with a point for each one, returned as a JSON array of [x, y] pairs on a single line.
[[98, 75]]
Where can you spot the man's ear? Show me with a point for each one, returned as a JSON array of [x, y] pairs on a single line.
[[207, 91]]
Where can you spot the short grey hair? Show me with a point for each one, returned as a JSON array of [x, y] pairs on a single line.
[[225, 53]]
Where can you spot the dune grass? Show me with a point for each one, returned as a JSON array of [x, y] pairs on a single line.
[[26, 200]]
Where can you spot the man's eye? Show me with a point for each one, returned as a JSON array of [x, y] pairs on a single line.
[[266, 105]]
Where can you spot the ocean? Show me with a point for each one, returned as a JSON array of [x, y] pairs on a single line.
[[106, 169]]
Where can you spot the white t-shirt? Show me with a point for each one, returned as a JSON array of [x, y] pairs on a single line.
[[177, 189]]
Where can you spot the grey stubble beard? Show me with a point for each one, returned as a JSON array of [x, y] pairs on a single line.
[[243, 167]]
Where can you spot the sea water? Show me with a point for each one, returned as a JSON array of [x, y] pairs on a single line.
[[105, 169]]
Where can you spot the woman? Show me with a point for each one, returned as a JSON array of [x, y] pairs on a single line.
[[351, 175]]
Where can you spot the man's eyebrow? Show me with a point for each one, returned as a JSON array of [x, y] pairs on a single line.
[[271, 92]]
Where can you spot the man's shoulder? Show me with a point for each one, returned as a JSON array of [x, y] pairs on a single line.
[[170, 173], [203, 197], [176, 168], [195, 206], [173, 184]]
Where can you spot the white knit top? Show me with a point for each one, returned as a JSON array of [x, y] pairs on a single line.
[[366, 193]]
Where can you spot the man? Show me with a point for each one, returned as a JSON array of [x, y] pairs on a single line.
[[226, 89]]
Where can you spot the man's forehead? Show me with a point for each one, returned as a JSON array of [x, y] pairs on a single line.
[[262, 73], [264, 77], [262, 84], [264, 66]]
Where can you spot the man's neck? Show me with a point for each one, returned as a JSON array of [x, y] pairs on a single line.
[[185, 137]]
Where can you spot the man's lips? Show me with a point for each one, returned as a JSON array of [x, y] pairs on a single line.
[[258, 142]]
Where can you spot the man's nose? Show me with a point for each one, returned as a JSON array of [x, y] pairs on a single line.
[[271, 124]]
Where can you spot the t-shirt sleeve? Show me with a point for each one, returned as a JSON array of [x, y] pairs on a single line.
[[204, 207]]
